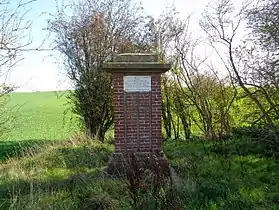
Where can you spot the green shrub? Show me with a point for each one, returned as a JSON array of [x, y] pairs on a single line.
[[262, 140]]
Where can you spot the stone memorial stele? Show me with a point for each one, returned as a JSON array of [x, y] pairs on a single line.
[[137, 108]]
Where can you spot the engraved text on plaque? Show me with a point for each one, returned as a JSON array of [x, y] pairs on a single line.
[[137, 83]]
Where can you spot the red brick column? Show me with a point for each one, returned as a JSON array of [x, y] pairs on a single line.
[[118, 103], [137, 113], [149, 126], [156, 113]]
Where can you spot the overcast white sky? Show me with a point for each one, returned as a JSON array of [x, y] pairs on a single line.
[[39, 71]]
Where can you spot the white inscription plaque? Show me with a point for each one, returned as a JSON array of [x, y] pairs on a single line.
[[137, 83]]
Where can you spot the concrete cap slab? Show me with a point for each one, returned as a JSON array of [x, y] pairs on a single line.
[[136, 62], [136, 57]]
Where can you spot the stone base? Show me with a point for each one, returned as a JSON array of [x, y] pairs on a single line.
[[120, 164]]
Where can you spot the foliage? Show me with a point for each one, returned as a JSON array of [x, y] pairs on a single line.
[[92, 35], [70, 175], [175, 110], [262, 138], [248, 65], [205, 103], [263, 19], [55, 175], [150, 184], [244, 179], [7, 118], [239, 170]]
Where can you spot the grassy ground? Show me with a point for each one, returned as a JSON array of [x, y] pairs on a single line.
[[69, 175], [46, 176], [225, 175], [45, 171]]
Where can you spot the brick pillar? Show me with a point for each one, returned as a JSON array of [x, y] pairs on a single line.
[[137, 106]]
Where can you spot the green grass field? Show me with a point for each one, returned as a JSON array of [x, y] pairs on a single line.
[[39, 116], [43, 166]]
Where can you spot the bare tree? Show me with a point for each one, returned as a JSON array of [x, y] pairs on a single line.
[[262, 57], [221, 24], [14, 32], [263, 19], [208, 95], [96, 30], [14, 38], [162, 33]]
